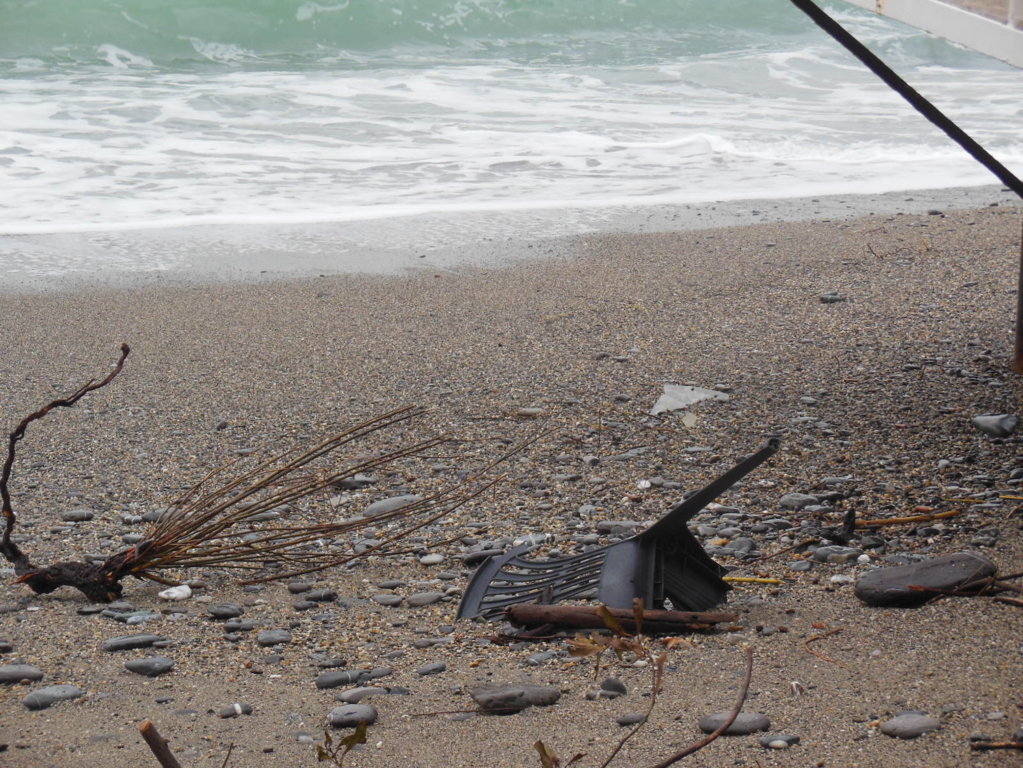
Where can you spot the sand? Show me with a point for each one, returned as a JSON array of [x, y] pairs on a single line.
[[880, 387]]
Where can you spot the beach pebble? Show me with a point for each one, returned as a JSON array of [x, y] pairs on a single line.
[[832, 297], [996, 425], [388, 599], [355, 695], [424, 598], [746, 722], [151, 666], [909, 725], [338, 678], [223, 611], [15, 673], [778, 740], [632, 718], [352, 715], [233, 710], [320, 596], [506, 699], [797, 500], [433, 668], [432, 559], [270, 637], [891, 586], [77, 515], [130, 642], [181, 592], [833, 553], [384, 506], [45, 697], [239, 625]]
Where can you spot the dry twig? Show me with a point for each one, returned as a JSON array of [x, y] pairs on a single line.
[[221, 527], [815, 638], [158, 745]]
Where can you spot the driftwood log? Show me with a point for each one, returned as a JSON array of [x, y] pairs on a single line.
[[654, 622]]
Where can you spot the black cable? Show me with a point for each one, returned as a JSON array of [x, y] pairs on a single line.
[[904, 89]]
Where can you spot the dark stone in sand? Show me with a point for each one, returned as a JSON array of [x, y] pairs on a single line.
[[77, 515], [891, 586], [342, 677], [15, 673], [270, 637], [46, 697], [425, 598], [746, 722], [507, 699], [351, 715], [633, 718], [226, 611], [432, 668], [130, 642], [151, 666]]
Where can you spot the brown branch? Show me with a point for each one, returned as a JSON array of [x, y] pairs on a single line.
[[21, 563], [815, 638], [587, 617], [982, 746], [158, 745], [905, 520], [724, 726]]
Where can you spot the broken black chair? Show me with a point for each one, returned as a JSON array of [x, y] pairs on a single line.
[[663, 562]]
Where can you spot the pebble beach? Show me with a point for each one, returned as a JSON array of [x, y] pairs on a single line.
[[868, 345]]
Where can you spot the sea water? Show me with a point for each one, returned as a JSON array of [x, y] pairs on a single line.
[[331, 121]]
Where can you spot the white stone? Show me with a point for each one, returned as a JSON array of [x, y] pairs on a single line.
[[181, 592]]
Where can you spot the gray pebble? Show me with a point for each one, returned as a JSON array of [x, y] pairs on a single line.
[[225, 611], [746, 722], [15, 673], [355, 695], [891, 586], [433, 668], [632, 718], [233, 710], [130, 642], [77, 515], [996, 425], [352, 715], [45, 697], [425, 598], [432, 559], [504, 698], [909, 726], [836, 554], [342, 677], [797, 500], [151, 666], [270, 637], [390, 504], [388, 599]]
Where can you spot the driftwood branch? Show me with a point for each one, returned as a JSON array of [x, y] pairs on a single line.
[[653, 622], [226, 526], [743, 692], [158, 745]]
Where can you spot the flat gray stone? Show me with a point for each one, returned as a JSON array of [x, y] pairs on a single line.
[[46, 697], [151, 666], [355, 695], [15, 673], [351, 715], [390, 504], [425, 598], [507, 699], [338, 677], [891, 586], [746, 722], [909, 726], [996, 424], [130, 642], [77, 515], [797, 500], [270, 637]]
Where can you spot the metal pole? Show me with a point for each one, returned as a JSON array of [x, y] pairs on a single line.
[[936, 116]]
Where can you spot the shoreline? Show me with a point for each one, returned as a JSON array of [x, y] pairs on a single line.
[[872, 396], [246, 253]]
